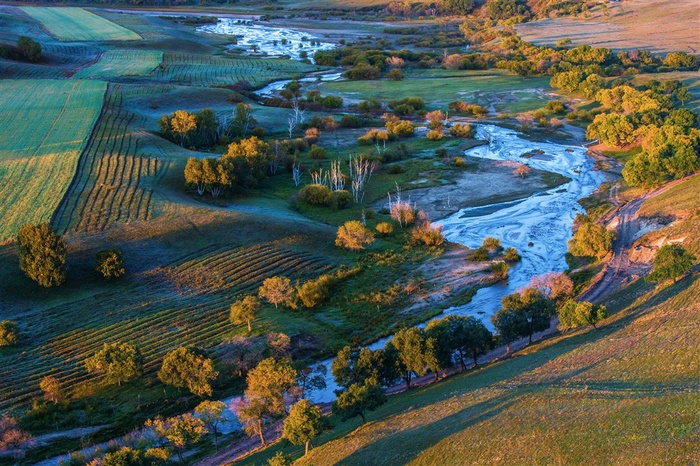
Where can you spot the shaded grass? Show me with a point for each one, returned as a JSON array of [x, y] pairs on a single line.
[[124, 62]]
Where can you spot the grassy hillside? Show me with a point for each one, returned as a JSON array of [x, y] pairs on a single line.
[[122, 62], [627, 393]]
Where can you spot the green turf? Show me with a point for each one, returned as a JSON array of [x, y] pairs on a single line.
[[76, 24], [506, 93], [45, 125], [122, 62]]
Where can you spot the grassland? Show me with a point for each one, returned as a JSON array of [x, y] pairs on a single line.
[[122, 62], [498, 91], [625, 25], [42, 142], [202, 70], [76, 24]]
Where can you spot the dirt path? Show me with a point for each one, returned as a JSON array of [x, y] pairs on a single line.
[[619, 268]]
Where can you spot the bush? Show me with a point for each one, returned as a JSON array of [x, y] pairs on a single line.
[[591, 240], [30, 49], [403, 213], [42, 254], [434, 135], [317, 152], [331, 101], [384, 228], [362, 72], [109, 263], [499, 270], [427, 234], [478, 255], [462, 130], [511, 255], [339, 199], [671, 262], [314, 292], [353, 235], [574, 314], [350, 121], [395, 74], [311, 135], [9, 333], [491, 244], [315, 194], [401, 128]]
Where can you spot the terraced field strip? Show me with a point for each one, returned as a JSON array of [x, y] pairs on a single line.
[[123, 62], [76, 24], [114, 180], [153, 315], [204, 70], [45, 125]]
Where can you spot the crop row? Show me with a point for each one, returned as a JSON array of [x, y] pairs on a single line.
[[44, 126], [113, 182], [203, 70], [75, 24], [152, 314], [116, 63]]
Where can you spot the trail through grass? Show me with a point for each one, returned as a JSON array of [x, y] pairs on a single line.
[[122, 62], [45, 125]]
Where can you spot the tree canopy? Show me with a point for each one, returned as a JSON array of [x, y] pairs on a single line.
[[304, 423], [42, 254], [118, 362], [188, 367], [671, 262], [245, 310]]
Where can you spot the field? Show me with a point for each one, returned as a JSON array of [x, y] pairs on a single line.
[[114, 180], [202, 70], [115, 63], [41, 145], [500, 92], [76, 24], [630, 25]]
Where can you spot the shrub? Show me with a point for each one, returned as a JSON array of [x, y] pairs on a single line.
[[434, 135], [9, 333], [315, 194], [462, 130], [350, 121], [555, 106], [370, 106], [428, 234], [317, 152], [258, 132], [331, 101], [395, 74], [385, 228], [311, 135], [403, 213], [401, 128], [459, 162], [109, 264], [478, 255], [29, 48], [312, 293], [499, 270], [491, 244], [591, 240], [353, 235], [511, 255], [671, 262], [362, 72], [339, 199]]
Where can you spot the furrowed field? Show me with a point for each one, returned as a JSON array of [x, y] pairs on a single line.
[[45, 127], [202, 70], [76, 24], [116, 63]]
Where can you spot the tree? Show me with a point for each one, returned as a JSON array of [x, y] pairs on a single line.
[[467, 336], [182, 123], [119, 362], [212, 415], [573, 314], [458, 7], [109, 263], [521, 170], [353, 235], [357, 400], [264, 400], [276, 290], [411, 344], [558, 286], [12, 438], [243, 120], [362, 366], [188, 367], [683, 94], [51, 388], [42, 254], [280, 459], [591, 240], [245, 310], [522, 314], [311, 378], [180, 431], [671, 262], [29, 48], [127, 456], [304, 423], [9, 333]]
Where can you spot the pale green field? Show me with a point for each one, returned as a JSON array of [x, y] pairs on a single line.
[[76, 24], [45, 125], [114, 63]]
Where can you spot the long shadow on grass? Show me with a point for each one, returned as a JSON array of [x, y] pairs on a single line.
[[400, 447]]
